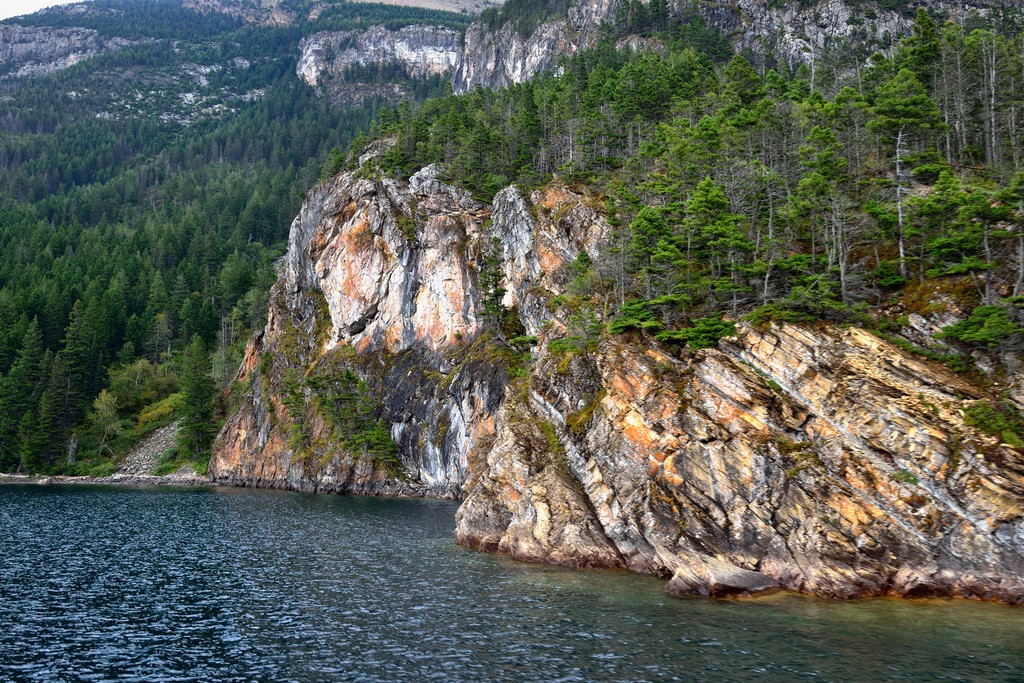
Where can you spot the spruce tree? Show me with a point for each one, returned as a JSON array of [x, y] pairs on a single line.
[[197, 428], [19, 392], [903, 112]]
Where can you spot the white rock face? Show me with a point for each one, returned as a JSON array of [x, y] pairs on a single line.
[[421, 50], [796, 33], [26, 50], [792, 32], [265, 12], [393, 266], [384, 276], [496, 60]]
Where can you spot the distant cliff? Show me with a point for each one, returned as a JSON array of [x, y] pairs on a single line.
[[818, 459], [789, 32], [351, 65], [32, 51]]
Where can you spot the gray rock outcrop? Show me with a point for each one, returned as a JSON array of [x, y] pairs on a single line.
[[790, 32], [32, 51], [419, 50]]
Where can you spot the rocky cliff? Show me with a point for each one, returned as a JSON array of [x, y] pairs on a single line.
[[420, 50], [329, 59], [33, 51], [380, 278], [265, 12], [816, 459], [792, 32]]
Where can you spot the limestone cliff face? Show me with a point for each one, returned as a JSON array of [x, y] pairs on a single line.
[[33, 51], [792, 32], [265, 12], [378, 278], [817, 459], [419, 51], [502, 58]]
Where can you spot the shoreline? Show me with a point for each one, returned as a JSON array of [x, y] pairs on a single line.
[[117, 479]]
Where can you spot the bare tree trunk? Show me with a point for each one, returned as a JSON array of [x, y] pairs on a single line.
[[1018, 288], [899, 203]]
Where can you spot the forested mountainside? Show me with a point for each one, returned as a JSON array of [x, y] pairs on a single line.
[[738, 323], [523, 38], [151, 160]]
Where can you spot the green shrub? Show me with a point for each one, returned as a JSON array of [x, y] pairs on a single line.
[[169, 461], [762, 315], [577, 421], [633, 317], [987, 326], [266, 364], [704, 334], [1001, 422], [905, 477], [161, 411], [103, 469], [887, 275]]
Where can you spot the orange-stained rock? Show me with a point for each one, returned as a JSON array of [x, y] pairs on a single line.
[[812, 458]]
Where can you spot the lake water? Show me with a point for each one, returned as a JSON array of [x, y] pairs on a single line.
[[100, 583]]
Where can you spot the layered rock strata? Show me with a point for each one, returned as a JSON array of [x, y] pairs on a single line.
[[817, 459]]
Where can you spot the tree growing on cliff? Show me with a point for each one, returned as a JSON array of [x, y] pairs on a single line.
[[903, 112], [347, 404], [492, 293]]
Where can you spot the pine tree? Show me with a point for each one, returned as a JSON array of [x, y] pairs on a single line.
[[19, 393], [903, 112], [647, 230], [197, 429], [491, 291], [920, 52]]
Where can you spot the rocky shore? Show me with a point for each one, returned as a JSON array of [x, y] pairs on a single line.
[[819, 459], [134, 469], [182, 477]]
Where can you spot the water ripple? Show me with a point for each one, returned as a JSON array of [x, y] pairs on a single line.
[[104, 584]]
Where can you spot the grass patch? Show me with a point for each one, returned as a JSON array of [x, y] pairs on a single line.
[[170, 461], [578, 421], [799, 453], [905, 477], [160, 413]]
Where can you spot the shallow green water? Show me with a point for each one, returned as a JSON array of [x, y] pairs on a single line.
[[217, 585]]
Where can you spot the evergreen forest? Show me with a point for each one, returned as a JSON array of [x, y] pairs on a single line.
[[146, 194], [138, 246], [860, 189]]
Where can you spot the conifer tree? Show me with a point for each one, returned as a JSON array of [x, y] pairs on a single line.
[[197, 429], [647, 230], [19, 393], [903, 113]]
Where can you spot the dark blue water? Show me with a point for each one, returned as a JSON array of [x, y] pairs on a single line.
[[236, 585]]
